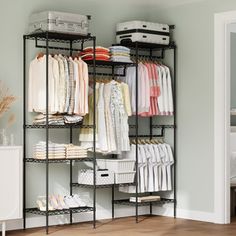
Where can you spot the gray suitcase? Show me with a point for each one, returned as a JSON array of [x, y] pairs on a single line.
[[60, 22]]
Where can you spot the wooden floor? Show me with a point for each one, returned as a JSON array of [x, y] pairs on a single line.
[[158, 226]]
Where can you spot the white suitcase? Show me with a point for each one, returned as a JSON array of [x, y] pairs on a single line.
[[142, 31], [60, 22]]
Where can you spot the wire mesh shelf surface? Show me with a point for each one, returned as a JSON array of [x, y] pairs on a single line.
[[59, 126], [148, 46], [33, 160], [109, 64], [59, 37], [36, 211], [102, 186], [128, 203]]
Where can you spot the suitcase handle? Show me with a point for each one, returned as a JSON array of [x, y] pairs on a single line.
[[104, 175]]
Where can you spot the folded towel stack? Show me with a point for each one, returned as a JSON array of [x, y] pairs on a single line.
[[55, 151], [120, 54], [73, 151]]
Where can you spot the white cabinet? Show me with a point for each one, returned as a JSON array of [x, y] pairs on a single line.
[[11, 183]]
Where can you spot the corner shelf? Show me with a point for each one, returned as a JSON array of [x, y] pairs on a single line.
[[76, 185], [109, 64], [128, 203]]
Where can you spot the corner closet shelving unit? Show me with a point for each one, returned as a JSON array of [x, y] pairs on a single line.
[[50, 41]]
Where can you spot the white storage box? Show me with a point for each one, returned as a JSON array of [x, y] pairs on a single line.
[[124, 177], [142, 31], [103, 177], [116, 165], [60, 22]]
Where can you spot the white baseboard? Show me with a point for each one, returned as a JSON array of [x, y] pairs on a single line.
[[39, 221], [185, 214]]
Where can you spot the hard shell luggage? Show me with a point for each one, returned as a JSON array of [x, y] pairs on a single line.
[[142, 31], [60, 22]]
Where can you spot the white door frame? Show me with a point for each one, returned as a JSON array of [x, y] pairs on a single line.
[[222, 116]]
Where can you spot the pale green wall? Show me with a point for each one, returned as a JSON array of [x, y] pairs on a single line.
[[194, 35], [13, 24]]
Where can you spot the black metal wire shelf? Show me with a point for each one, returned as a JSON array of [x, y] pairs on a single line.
[[59, 126], [128, 203], [33, 160], [76, 185], [109, 64], [148, 46], [157, 126], [58, 37], [36, 211]]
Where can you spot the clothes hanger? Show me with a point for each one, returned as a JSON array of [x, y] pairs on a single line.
[[40, 55]]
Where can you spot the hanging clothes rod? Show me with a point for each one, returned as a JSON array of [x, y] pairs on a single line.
[[56, 47], [107, 74]]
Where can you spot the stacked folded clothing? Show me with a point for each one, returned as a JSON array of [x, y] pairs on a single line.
[[120, 54], [57, 119], [55, 151], [101, 54], [73, 151]]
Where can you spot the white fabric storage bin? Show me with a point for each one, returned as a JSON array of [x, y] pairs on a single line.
[[124, 177], [103, 177], [101, 163], [60, 22], [120, 165]]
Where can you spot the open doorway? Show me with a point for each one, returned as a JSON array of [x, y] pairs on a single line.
[[224, 144]]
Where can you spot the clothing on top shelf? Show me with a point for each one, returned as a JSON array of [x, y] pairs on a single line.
[[112, 111], [154, 89], [101, 53], [59, 151], [68, 85], [57, 119], [120, 54], [154, 167]]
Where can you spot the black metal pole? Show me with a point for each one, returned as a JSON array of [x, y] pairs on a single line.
[[112, 201], [94, 132], [71, 141], [136, 132], [113, 186], [175, 122], [150, 130], [47, 134], [24, 131]]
